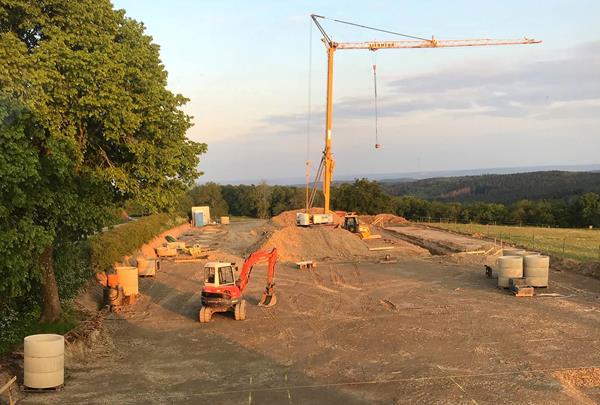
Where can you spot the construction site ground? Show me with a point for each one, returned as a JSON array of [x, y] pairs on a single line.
[[425, 329]]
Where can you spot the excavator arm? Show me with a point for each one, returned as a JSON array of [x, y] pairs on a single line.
[[268, 298]]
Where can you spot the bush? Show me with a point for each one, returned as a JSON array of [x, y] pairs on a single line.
[[109, 247], [72, 268]]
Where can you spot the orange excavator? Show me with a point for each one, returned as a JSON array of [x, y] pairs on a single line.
[[223, 293]]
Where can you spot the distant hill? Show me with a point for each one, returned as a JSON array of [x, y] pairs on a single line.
[[501, 188]]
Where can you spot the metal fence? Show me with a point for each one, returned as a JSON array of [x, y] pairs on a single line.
[[576, 243]]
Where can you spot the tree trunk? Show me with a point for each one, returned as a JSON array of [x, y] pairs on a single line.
[[51, 310]]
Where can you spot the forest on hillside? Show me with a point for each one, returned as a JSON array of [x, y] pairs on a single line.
[[369, 197], [498, 188]]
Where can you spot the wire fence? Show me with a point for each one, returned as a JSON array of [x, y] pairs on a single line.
[[576, 243]]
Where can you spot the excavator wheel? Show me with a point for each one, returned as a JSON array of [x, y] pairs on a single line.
[[240, 310], [267, 300], [205, 314]]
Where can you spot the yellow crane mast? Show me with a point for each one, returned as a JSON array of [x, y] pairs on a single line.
[[326, 166]]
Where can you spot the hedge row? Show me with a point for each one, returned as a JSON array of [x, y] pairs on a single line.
[[109, 247]]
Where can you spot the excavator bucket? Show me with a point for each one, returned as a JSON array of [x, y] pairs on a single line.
[[267, 299]]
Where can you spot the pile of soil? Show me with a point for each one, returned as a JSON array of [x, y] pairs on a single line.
[[326, 242], [590, 269], [383, 220], [319, 243]]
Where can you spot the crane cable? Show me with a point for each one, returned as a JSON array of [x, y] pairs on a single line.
[[377, 145], [374, 29], [308, 116]]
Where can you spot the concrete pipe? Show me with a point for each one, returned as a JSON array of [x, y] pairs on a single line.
[[44, 361], [510, 251], [536, 269], [525, 253], [509, 267]]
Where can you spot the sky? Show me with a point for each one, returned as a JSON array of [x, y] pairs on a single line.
[[250, 68]]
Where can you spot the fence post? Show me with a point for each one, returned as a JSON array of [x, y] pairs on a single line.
[[564, 241], [533, 241]]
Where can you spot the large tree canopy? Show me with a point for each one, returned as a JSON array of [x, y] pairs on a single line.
[[87, 122]]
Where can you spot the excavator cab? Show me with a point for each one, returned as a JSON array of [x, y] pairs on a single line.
[[351, 222], [220, 274]]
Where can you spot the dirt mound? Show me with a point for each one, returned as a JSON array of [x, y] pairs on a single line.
[[288, 218], [383, 220], [319, 243], [591, 269], [331, 243]]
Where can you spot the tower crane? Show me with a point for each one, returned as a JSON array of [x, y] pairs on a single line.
[[327, 164]]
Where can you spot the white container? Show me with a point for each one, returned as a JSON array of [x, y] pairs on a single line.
[[509, 267], [302, 219], [322, 218], [128, 280], [224, 220], [44, 361], [536, 269]]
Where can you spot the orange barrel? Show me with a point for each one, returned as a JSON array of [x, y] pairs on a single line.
[[113, 280], [128, 279]]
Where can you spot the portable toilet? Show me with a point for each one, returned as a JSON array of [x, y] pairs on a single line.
[[198, 218], [201, 216]]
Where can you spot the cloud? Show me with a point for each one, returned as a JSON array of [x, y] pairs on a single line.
[[564, 87]]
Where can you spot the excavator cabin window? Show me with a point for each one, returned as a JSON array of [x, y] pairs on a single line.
[[209, 275], [226, 275]]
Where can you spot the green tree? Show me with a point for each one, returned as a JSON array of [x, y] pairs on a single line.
[[286, 198], [262, 200], [587, 210], [363, 196], [532, 212], [87, 123], [239, 199], [210, 194]]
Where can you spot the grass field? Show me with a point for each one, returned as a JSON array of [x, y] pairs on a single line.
[[579, 244]]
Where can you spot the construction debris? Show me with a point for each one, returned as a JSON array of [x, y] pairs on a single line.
[[387, 260], [522, 291], [8, 388], [307, 264]]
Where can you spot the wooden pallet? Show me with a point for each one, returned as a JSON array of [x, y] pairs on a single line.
[[7, 388], [42, 390], [307, 264], [523, 291]]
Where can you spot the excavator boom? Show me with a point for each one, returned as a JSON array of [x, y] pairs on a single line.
[[268, 298]]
